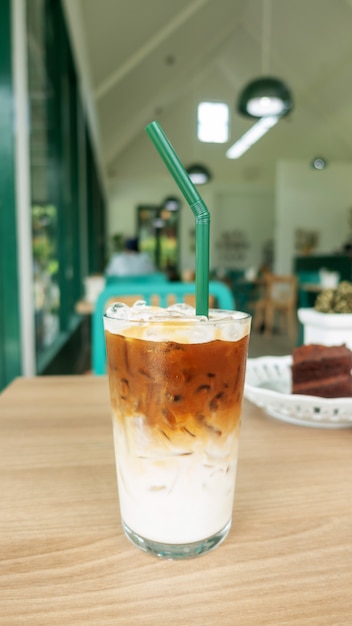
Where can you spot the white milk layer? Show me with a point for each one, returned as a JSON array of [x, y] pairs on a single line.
[[174, 496]]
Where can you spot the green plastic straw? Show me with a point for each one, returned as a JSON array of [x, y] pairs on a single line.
[[198, 207]]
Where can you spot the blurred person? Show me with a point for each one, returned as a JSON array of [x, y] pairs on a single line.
[[130, 262]]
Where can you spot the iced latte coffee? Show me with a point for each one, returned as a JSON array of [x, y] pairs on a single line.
[[176, 384]]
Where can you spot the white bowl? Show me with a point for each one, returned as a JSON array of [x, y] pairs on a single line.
[[268, 385]]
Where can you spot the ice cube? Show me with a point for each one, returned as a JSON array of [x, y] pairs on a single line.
[[118, 310]]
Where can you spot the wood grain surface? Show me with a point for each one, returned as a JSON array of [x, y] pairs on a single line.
[[64, 558]]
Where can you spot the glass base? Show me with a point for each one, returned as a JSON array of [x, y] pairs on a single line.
[[178, 550]]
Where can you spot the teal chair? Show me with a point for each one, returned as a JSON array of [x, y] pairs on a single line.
[[155, 277], [222, 294]]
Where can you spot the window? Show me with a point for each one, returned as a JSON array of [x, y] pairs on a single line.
[[213, 122], [67, 202]]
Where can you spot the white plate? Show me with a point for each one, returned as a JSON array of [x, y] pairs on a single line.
[[268, 385]]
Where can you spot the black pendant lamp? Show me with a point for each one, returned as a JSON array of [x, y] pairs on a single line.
[[265, 96], [199, 174], [171, 203]]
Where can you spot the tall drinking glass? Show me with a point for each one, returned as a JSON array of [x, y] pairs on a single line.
[[176, 386]]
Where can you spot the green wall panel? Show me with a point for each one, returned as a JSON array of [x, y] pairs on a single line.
[[72, 187], [10, 348]]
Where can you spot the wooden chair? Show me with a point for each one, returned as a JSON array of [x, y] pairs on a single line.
[[279, 299], [160, 294]]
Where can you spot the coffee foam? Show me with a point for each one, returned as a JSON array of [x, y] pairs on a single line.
[[178, 323]]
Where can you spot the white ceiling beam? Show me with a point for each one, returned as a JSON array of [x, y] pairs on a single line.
[[171, 92], [74, 21], [136, 58]]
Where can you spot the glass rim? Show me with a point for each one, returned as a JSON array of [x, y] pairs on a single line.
[[221, 316]]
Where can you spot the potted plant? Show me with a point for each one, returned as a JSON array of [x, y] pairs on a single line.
[[330, 321]]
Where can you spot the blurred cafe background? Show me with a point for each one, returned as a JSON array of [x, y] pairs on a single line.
[[80, 80]]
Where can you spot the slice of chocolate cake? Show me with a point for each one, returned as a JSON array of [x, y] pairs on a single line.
[[323, 371]]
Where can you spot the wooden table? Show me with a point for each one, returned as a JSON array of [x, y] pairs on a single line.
[[65, 560]]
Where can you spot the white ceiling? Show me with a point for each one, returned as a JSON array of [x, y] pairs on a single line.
[[156, 59]]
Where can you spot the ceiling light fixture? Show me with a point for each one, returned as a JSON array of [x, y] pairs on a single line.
[[199, 174], [265, 95], [251, 136], [158, 222], [318, 163], [171, 203]]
